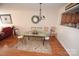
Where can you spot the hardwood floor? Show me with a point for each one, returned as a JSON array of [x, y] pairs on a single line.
[[57, 49]]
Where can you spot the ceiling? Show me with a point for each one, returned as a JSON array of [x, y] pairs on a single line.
[[31, 5]]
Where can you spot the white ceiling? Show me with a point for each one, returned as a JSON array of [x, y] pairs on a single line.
[[32, 5]]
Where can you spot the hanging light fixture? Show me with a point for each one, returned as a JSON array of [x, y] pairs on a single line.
[[36, 18], [41, 17]]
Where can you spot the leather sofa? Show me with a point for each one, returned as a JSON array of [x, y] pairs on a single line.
[[6, 32]]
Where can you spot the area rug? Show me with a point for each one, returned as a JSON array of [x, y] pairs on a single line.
[[34, 45]]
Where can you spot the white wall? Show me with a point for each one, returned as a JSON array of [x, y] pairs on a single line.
[[69, 37], [22, 17]]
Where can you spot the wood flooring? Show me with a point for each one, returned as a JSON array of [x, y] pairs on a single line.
[[6, 50]]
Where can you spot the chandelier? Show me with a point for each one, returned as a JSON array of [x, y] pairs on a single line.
[[35, 18]]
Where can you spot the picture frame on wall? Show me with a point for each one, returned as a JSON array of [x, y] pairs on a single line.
[[6, 18]]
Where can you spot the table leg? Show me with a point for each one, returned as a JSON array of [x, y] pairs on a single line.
[[28, 37], [43, 41], [24, 40]]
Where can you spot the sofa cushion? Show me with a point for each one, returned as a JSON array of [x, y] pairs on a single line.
[[2, 34], [8, 31]]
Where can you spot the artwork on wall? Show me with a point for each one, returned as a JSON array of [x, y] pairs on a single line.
[[6, 18], [70, 19]]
